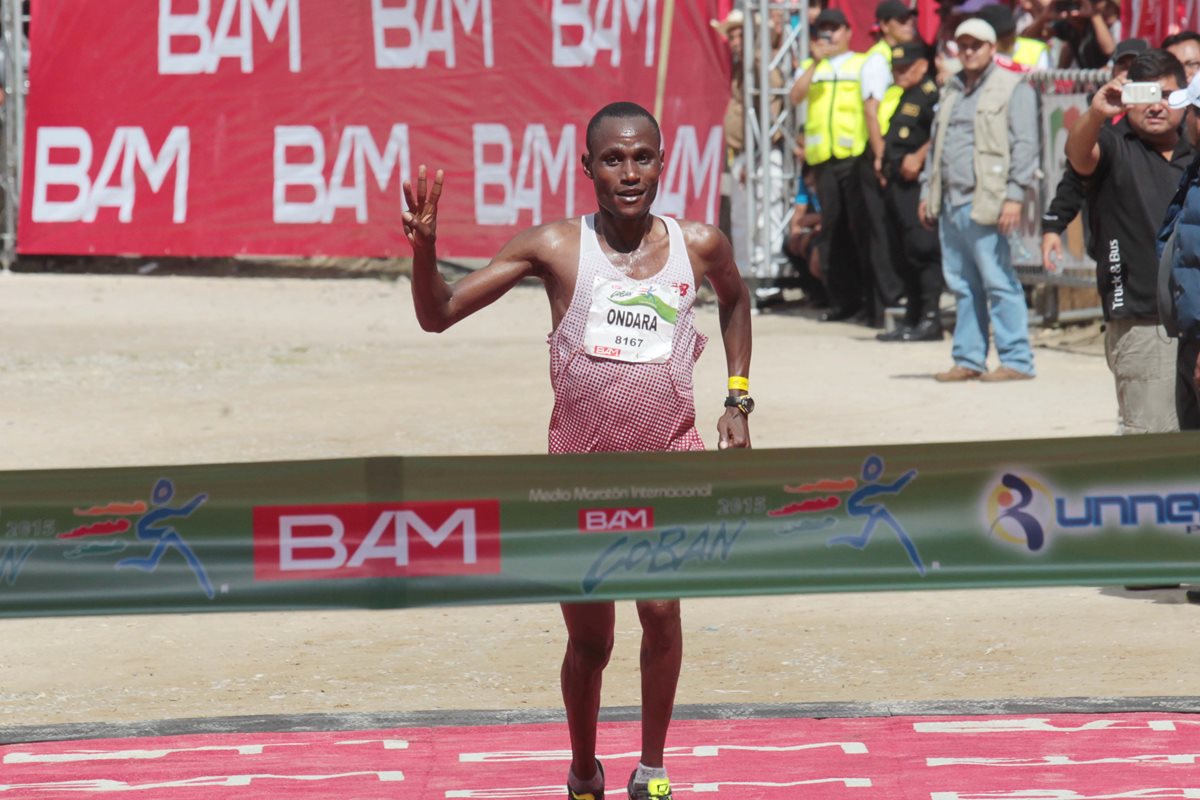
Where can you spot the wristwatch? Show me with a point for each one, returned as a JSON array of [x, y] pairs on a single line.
[[744, 404]]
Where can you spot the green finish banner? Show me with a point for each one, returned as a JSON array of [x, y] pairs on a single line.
[[402, 532]]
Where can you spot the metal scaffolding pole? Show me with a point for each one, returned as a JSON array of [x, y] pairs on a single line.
[[12, 20], [770, 133]]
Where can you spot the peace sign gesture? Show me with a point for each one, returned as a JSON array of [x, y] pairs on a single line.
[[420, 220]]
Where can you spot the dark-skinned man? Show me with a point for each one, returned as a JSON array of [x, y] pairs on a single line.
[[906, 147], [622, 381]]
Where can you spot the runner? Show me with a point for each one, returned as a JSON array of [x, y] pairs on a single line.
[[621, 283]]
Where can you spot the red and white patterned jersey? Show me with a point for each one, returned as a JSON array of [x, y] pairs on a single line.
[[605, 405]]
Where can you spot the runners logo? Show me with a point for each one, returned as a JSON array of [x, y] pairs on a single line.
[[1009, 506], [372, 540], [607, 520], [607, 352]]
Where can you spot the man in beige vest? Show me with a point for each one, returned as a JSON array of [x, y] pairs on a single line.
[[983, 161]]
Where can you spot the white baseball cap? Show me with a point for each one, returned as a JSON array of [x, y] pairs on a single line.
[[1188, 96], [976, 29]]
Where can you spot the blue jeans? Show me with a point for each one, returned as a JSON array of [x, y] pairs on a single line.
[[978, 269]]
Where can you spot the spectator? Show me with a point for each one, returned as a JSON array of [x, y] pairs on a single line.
[[945, 58], [1182, 222], [1068, 197], [803, 229], [1130, 172], [907, 145], [897, 25], [1185, 46], [1026, 54], [838, 86], [984, 159], [1034, 17], [1090, 32]]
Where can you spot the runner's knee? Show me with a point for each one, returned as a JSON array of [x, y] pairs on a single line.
[[590, 654], [660, 616]]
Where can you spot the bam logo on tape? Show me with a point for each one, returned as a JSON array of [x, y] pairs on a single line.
[[376, 540], [608, 520]]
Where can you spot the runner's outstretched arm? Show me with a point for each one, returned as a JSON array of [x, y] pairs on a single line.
[[439, 304], [715, 256]]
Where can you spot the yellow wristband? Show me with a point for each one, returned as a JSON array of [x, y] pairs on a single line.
[[739, 384]]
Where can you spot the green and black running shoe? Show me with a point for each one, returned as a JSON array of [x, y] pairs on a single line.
[[656, 789]]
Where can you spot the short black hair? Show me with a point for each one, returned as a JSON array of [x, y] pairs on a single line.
[[1180, 38], [619, 110], [1155, 64]]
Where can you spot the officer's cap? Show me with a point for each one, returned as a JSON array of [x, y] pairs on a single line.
[[909, 53]]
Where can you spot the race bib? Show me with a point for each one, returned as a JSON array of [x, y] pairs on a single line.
[[631, 321]]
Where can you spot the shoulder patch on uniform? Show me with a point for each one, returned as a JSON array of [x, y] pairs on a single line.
[[929, 87]]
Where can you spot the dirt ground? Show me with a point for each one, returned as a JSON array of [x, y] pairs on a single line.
[[128, 370]]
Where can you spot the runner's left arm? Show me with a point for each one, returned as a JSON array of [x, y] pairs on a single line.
[[714, 254]]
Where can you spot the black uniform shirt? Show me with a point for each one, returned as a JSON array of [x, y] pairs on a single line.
[[1127, 196], [911, 124]]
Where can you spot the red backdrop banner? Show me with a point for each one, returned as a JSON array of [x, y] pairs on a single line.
[[285, 127], [1154, 20]]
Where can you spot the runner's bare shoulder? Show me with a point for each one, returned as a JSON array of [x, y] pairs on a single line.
[[549, 247], [706, 244]]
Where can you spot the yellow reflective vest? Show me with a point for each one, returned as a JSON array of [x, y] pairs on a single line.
[[836, 126], [888, 106], [891, 100], [1028, 52], [882, 48]]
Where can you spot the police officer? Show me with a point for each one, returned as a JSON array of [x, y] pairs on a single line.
[[905, 149]]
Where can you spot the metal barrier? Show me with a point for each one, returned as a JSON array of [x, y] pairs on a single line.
[[1062, 96]]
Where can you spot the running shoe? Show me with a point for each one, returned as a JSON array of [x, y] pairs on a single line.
[[598, 795], [656, 789]]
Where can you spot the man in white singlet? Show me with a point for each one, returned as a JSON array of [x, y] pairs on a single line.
[[621, 284]]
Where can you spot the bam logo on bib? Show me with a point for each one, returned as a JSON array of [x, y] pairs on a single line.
[[631, 321]]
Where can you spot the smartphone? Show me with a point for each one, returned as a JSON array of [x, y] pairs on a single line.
[[1141, 94], [1062, 6]]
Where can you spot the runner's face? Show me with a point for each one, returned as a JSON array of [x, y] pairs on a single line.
[[625, 167]]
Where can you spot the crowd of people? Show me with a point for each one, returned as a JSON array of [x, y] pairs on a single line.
[[920, 159]]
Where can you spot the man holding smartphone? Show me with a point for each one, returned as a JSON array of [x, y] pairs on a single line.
[[1131, 170]]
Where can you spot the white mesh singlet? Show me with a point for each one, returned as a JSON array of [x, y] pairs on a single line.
[[603, 405]]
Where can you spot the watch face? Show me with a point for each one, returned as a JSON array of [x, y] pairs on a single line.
[[747, 404]]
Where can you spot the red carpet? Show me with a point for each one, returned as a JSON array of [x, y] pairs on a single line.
[[1051, 757]]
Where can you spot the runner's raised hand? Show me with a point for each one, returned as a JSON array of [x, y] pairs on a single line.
[[420, 219]]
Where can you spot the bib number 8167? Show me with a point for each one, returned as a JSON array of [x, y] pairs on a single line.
[[629, 341]]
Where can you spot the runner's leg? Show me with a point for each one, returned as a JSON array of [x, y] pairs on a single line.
[[589, 644], [662, 655]]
